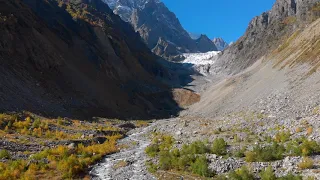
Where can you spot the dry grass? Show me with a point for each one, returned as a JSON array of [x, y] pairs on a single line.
[[141, 123], [309, 131], [298, 129], [303, 46]]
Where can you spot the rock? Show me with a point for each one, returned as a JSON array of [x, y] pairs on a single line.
[[178, 133], [91, 135], [82, 136], [71, 146]]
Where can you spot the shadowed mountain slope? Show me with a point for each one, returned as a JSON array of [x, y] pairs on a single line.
[[76, 58]]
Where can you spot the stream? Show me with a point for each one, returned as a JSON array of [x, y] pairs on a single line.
[[133, 159]]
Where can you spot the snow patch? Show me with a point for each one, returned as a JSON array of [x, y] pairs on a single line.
[[201, 58]]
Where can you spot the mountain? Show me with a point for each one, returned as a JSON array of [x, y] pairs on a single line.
[[204, 44], [76, 58], [266, 32], [220, 44], [158, 26], [273, 68]]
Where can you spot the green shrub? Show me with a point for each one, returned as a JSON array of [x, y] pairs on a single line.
[[152, 150], [268, 174], [307, 163], [240, 153], [70, 166], [36, 123], [196, 147], [186, 159], [166, 142], [200, 167], [283, 136], [241, 174], [165, 160], [4, 154], [265, 154], [152, 168], [219, 147], [302, 147]]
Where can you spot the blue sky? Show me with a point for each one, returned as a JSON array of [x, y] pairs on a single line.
[[218, 18]]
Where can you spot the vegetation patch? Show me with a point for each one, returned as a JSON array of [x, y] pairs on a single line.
[[302, 147], [61, 162], [307, 163], [120, 164], [190, 158], [265, 153]]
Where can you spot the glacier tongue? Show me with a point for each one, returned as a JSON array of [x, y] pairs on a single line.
[[201, 58], [202, 62]]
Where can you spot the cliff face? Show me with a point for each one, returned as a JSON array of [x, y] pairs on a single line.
[[267, 31], [155, 21], [76, 58]]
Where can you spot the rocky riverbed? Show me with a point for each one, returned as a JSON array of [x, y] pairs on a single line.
[[130, 162]]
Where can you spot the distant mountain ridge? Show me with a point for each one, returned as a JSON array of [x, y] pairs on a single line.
[[159, 27]]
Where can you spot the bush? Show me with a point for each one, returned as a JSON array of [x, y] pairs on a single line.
[[186, 159], [152, 150], [250, 156], [307, 163], [268, 174], [70, 166], [166, 142], [200, 167], [282, 136], [4, 154], [303, 147], [240, 153], [219, 147], [152, 167], [241, 174], [265, 154], [165, 162], [196, 147], [36, 123]]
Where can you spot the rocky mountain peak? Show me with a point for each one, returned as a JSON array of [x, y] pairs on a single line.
[[204, 44], [157, 24], [220, 44]]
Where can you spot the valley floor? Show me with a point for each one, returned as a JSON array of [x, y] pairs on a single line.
[[249, 130], [268, 118]]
